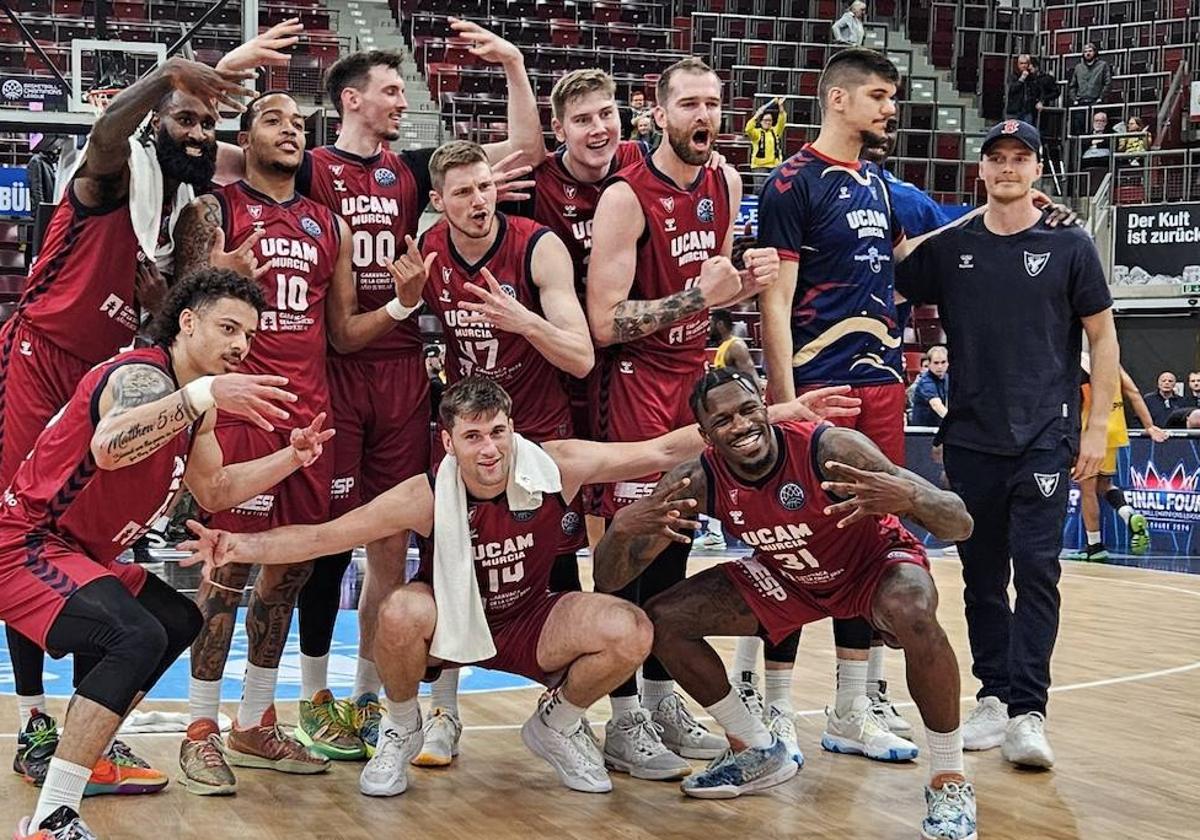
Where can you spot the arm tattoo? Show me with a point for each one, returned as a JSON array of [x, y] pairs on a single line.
[[135, 385], [636, 318], [132, 440], [194, 232]]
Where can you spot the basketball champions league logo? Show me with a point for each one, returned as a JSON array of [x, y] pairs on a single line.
[[1170, 500]]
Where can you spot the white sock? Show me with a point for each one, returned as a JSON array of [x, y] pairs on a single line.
[[621, 705], [1094, 538], [366, 678], [444, 691], [714, 527], [945, 752], [29, 705], [402, 715], [560, 714], [777, 689], [204, 699], [738, 723], [1125, 511], [851, 684], [655, 691], [258, 693], [875, 680], [745, 657], [64, 786], [314, 675]]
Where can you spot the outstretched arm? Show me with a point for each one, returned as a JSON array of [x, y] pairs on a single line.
[[1138, 405], [874, 486]]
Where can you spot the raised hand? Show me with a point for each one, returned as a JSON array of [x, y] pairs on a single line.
[[661, 514], [497, 308], [208, 83], [265, 48], [506, 175], [309, 442], [410, 271], [870, 493], [720, 282], [486, 44], [242, 259], [253, 397], [819, 404]]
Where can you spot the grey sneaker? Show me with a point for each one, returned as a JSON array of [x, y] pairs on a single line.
[[682, 734], [984, 728], [1025, 741], [633, 744]]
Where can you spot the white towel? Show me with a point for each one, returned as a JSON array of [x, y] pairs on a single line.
[[462, 633]]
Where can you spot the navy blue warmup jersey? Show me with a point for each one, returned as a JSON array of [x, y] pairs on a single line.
[[837, 221]]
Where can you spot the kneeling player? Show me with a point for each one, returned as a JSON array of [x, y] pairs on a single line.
[[816, 503]]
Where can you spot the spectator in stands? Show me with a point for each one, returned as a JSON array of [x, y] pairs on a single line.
[[929, 401], [1098, 151], [435, 369], [1029, 90], [1191, 397], [1164, 401], [848, 30], [1136, 140], [629, 115], [1088, 85], [645, 130], [765, 130]]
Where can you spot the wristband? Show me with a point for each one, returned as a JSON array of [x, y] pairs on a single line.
[[398, 310], [199, 394]]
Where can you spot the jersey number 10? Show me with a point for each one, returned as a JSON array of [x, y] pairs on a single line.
[[291, 293]]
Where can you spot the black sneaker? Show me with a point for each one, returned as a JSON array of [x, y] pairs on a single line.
[[63, 824], [35, 747]]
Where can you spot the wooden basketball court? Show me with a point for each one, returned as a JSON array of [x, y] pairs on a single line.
[[1123, 721]]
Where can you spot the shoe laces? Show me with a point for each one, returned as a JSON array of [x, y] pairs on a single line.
[[583, 742], [721, 760], [947, 802], [334, 718], [367, 713], [646, 734], [211, 752], [40, 738], [123, 756], [443, 719], [982, 712], [674, 707], [387, 756], [1033, 723]]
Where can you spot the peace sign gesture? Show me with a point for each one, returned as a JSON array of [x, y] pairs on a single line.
[[497, 307], [870, 493], [308, 443], [409, 272], [241, 259]]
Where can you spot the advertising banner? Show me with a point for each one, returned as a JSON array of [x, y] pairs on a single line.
[[14, 193], [1156, 249]]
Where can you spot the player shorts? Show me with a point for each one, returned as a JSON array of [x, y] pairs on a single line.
[[37, 378], [39, 572], [300, 499], [783, 606], [881, 418], [381, 412], [1109, 465], [635, 403]]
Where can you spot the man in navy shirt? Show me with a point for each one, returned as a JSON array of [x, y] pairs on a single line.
[[929, 401], [1010, 288]]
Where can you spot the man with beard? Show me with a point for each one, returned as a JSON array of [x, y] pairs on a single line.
[[85, 296], [819, 506], [665, 228], [307, 281]]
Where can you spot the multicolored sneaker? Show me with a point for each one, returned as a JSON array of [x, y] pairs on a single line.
[[1139, 534], [267, 746], [367, 714], [950, 809], [1094, 553], [202, 760], [442, 730], [122, 755], [35, 747], [329, 727], [63, 824], [109, 778], [748, 771], [861, 732]]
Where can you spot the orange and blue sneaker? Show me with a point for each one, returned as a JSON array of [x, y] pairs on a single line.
[[35, 747], [63, 824], [124, 779], [369, 713]]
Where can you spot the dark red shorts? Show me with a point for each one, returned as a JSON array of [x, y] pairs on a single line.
[[300, 499], [881, 418], [40, 571], [516, 642], [783, 606], [37, 378], [381, 413]]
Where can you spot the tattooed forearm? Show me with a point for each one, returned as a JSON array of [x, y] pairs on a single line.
[[636, 318], [146, 412], [269, 613], [194, 235]]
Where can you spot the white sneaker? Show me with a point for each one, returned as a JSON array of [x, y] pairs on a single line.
[[633, 744], [682, 734], [782, 725], [574, 757], [881, 703], [950, 812], [984, 727], [747, 691], [386, 774], [442, 732], [710, 542], [861, 732], [1025, 741]]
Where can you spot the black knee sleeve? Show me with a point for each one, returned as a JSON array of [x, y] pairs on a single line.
[[102, 619], [853, 633], [27, 661], [785, 651], [1115, 497], [564, 574], [180, 619], [318, 603]]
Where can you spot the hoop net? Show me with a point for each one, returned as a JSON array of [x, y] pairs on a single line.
[[99, 98]]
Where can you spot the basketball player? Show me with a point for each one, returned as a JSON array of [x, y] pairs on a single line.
[[138, 428], [665, 227], [579, 644], [379, 393], [819, 506], [306, 252], [86, 294], [1093, 488]]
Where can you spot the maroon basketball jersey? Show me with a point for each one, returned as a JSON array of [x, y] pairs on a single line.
[[79, 294], [301, 244], [567, 206], [59, 489], [684, 227], [381, 197], [541, 410], [782, 515]]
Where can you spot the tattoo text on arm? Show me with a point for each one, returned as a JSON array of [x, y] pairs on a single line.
[[132, 386]]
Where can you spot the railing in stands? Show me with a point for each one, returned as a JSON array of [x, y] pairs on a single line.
[[1168, 119]]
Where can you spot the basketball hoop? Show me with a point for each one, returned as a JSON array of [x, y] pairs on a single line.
[[99, 98]]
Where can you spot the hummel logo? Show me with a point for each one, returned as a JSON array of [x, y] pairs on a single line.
[[966, 260]]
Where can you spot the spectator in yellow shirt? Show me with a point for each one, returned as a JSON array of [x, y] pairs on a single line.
[[765, 130]]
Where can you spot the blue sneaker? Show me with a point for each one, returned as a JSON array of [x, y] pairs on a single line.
[[368, 713], [950, 812], [748, 771], [860, 731]]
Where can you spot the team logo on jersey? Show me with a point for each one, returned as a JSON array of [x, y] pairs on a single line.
[[874, 258], [447, 272], [384, 177], [791, 496], [336, 168], [626, 366], [669, 225], [1047, 483], [570, 191], [444, 297], [26, 348], [733, 496], [523, 515], [1034, 263], [706, 211], [738, 517], [966, 260], [310, 226], [571, 523], [844, 192], [508, 290], [255, 210], [668, 203], [569, 211], [339, 186]]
